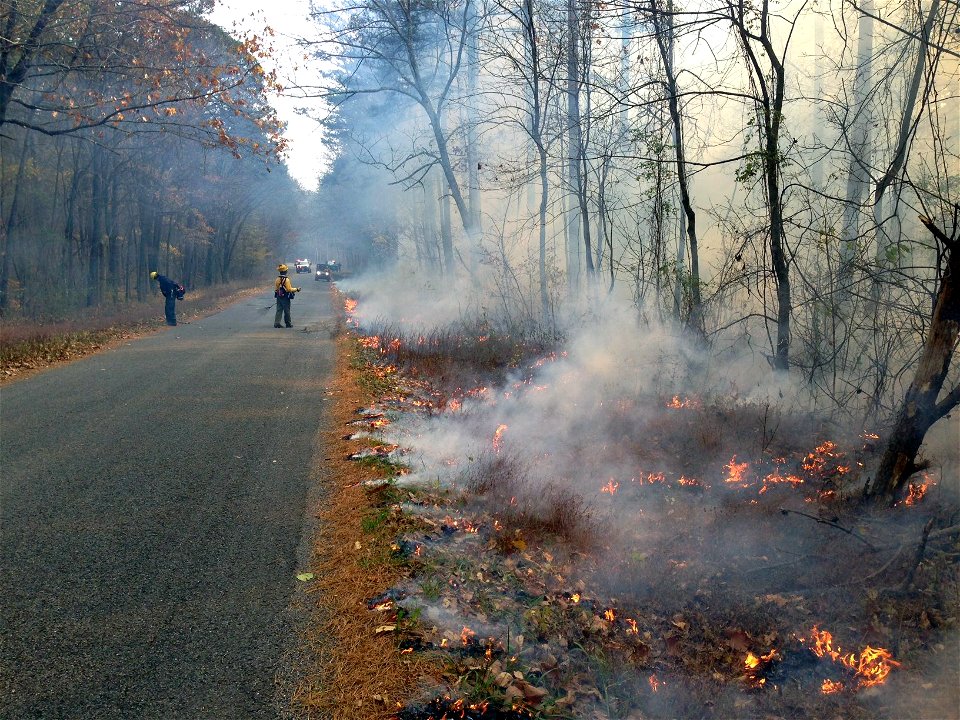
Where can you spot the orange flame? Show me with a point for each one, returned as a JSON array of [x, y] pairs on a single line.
[[677, 404], [610, 487], [871, 665], [830, 687], [632, 630], [917, 490], [466, 635], [736, 470], [655, 682], [609, 615], [497, 437]]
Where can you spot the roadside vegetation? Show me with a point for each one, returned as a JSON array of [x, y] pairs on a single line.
[[28, 346], [757, 586]]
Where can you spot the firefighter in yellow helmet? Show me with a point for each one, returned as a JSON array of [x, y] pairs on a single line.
[[284, 291]]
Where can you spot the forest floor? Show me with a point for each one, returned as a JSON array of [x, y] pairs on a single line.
[[760, 588]]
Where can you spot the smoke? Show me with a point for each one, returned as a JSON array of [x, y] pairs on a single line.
[[664, 467]]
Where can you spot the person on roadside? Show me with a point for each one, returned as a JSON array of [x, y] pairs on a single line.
[[172, 291], [284, 291]]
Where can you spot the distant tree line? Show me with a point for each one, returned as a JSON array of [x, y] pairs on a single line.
[[133, 136]]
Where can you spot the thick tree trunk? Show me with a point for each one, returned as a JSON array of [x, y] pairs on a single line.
[[920, 409]]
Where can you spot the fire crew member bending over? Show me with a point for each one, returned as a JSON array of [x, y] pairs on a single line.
[[172, 291], [284, 291]]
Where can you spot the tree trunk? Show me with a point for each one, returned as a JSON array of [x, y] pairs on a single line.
[[473, 155], [664, 36], [6, 248], [446, 231], [920, 409], [858, 169], [574, 143]]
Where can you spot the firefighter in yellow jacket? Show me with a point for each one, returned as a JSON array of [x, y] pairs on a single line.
[[284, 291]]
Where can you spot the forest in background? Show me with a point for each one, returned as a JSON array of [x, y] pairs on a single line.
[[776, 180], [134, 136]]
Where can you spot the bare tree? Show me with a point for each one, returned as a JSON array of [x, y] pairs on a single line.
[[765, 63]]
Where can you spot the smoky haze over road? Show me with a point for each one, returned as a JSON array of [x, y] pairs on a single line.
[[152, 509]]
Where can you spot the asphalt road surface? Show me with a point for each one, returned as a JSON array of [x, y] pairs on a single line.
[[154, 514]]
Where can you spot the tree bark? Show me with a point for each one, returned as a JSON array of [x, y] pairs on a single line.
[[920, 409], [663, 24]]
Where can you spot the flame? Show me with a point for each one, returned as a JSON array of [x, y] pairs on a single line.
[[775, 478], [917, 490], [609, 615], [655, 682], [736, 470], [632, 629], [349, 305], [497, 437], [829, 687], [751, 661], [575, 597], [610, 487], [871, 665], [816, 461], [689, 482], [679, 404], [466, 635]]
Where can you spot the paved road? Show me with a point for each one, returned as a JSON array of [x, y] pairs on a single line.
[[152, 507]]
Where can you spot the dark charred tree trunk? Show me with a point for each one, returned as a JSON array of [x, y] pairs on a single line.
[[920, 409]]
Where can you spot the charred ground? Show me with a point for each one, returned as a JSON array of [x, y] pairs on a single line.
[[734, 572]]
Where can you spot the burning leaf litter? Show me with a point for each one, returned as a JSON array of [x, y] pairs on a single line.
[[478, 566]]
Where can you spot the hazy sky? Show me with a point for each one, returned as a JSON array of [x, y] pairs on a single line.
[[307, 156]]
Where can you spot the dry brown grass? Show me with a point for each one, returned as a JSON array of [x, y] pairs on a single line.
[[361, 674]]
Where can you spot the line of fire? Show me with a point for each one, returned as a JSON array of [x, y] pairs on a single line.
[[590, 552]]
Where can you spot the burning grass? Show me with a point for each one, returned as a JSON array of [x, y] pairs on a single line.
[[666, 557], [473, 347]]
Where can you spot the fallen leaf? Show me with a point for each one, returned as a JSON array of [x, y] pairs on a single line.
[[381, 629], [305, 577]]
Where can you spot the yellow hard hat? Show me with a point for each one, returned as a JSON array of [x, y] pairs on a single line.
[[153, 275], [281, 268]]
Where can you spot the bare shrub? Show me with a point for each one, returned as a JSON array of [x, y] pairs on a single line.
[[555, 512], [470, 346], [495, 476]]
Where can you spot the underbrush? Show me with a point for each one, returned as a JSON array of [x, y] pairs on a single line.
[[474, 349], [654, 556]]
